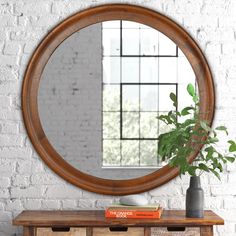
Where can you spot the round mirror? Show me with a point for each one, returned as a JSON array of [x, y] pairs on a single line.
[[100, 94], [93, 91]]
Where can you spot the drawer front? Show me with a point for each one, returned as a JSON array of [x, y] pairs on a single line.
[[61, 232], [175, 231], [118, 231]]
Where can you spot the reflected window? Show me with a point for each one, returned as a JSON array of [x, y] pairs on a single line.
[[140, 69]]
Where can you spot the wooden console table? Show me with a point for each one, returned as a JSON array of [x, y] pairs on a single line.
[[94, 223]]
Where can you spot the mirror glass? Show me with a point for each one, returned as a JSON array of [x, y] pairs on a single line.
[[101, 92]]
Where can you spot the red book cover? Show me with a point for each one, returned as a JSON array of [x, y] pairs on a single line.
[[133, 214]]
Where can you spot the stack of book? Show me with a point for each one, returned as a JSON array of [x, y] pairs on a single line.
[[132, 212]]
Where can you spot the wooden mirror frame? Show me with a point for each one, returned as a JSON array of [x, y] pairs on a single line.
[[45, 49]]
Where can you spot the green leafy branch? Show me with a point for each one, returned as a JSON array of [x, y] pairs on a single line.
[[189, 132]]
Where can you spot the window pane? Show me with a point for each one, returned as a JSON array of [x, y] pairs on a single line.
[[111, 98], [130, 25], [130, 125], [130, 40], [130, 153], [148, 125], [130, 70], [149, 97], [111, 24], [142, 26], [149, 70], [167, 70], [148, 153], [149, 42], [166, 46], [111, 42], [111, 153], [185, 72], [165, 103], [111, 70], [130, 98], [111, 125]]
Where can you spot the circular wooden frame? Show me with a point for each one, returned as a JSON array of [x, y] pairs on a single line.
[[45, 50]]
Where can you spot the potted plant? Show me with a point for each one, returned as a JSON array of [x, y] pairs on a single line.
[[189, 132]]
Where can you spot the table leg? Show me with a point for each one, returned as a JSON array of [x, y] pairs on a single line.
[[147, 231], [89, 231], [206, 230], [29, 231]]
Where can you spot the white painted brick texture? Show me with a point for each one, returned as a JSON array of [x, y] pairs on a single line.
[[26, 183]]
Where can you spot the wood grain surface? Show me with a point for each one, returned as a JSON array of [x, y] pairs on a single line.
[[97, 218]]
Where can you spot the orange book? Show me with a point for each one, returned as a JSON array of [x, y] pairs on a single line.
[[133, 214]]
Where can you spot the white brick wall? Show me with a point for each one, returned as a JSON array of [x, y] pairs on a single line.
[[26, 183]]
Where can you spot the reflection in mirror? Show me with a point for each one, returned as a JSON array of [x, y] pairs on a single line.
[[101, 92]]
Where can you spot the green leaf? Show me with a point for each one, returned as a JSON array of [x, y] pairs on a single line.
[[192, 170], [203, 167], [210, 150], [230, 159], [222, 128], [231, 142], [191, 90], [232, 147], [205, 126], [220, 167], [212, 140], [186, 110], [174, 99]]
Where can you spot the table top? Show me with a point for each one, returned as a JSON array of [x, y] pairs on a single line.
[[95, 218]]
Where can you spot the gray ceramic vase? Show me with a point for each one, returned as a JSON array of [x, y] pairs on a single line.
[[195, 199]]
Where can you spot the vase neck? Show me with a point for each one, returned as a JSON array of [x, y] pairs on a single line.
[[195, 182]]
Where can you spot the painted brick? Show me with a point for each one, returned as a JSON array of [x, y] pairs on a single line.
[[14, 205], [29, 192], [69, 204], [9, 128], [21, 181], [177, 203], [50, 204], [63, 192], [10, 140], [8, 60], [5, 101], [32, 204], [5, 216], [8, 21], [5, 182], [166, 190], [225, 190], [4, 193], [26, 183], [32, 8], [103, 203], [7, 167], [3, 35], [15, 152], [43, 178], [9, 87], [6, 8], [87, 203], [12, 48]]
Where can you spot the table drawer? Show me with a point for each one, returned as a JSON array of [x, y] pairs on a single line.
[[61, 231], [118, 231], [175, 231]]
